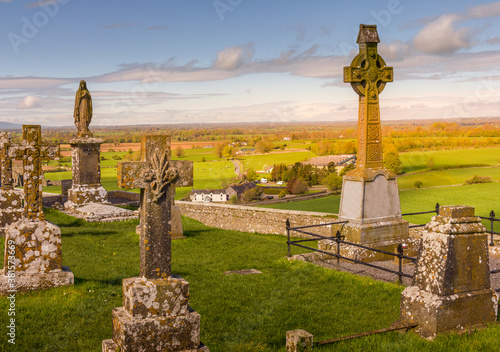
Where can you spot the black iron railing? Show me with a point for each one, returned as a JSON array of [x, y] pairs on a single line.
[[340, 240]]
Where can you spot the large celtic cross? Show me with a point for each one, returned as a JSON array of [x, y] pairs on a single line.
[[368, 75]]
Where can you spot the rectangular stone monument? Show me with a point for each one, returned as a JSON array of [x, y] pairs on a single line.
[[11, 206], [451, 289], [370, 196], [33, 245], [155, 315], [86, 168]]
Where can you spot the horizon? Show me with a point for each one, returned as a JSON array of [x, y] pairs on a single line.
[[178, 62]]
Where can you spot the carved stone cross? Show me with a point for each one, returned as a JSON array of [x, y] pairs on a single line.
[[155, 175], [5, 162], [368, 75], [31, 152]]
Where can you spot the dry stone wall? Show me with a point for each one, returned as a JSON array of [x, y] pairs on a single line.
[[252, 219]]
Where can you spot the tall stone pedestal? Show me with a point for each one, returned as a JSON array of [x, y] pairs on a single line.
[[11, 209], [33, 257], [370, 204], [86, 187], [155, 317], [451, 290]]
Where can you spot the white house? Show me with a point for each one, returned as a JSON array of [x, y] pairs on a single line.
[[209, 195]]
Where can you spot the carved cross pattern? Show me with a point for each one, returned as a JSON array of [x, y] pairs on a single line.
[[155, 175], [368, 75], [31, 152], [161, 175]]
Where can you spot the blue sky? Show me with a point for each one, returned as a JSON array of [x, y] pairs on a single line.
[[181, 61]]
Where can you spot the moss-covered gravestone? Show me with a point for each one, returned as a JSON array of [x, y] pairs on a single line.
[[451, 290], [11, 207], [33, 245], [155, 315]]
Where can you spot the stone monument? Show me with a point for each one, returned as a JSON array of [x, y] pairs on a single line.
[[451, 289], [33, 245], [370, 196], [155, 315], [11, 206], [85, 152]]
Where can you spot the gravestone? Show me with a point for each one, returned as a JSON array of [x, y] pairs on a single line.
[[451, 289], [370, 196], [155, 315], [11, 207], [85, 153], [33, 245]]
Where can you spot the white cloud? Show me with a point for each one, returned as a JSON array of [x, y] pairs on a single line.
[[29, 102], [442, 37], [484, 11], [233, 57]]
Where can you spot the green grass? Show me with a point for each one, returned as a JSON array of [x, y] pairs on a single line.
[[417, 161], [259, 162], [238, 313], [328, 204], [447, 177]]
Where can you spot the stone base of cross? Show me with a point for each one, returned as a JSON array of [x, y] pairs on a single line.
[[155, 315], [32, 257], [451, 289]]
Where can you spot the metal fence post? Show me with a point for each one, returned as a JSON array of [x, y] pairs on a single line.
[[437, 208], [288, 236], [492, 219], [338, 239], [400, 257]]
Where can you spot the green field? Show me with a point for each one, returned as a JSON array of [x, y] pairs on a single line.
[[447, 177], [417, 161], [248, 313]]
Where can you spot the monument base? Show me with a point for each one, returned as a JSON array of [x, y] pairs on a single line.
[[438, 314], [80, 195], [12, 282], [384, 235], [155, 317], [11, 209]]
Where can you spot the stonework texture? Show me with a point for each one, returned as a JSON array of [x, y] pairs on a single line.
[[451, 289], [11, 209], [299, 341], [255, 220], [86, 185]]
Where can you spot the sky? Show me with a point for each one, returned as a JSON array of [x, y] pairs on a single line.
[[220, 61]]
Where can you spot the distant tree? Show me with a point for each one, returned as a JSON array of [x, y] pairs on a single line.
[[252, 194], [478, 179], [346, 169], [251, 175], [234, 199], [333, 181], [227, 151], [300, 186], [179, 152], [392, 162], [218, 150], [430, 164], [264, 146], [203, 159], [418, 184]]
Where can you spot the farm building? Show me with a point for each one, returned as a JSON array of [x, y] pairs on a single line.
[[209, 195]]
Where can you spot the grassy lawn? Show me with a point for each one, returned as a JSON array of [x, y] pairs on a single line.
[[239, 313], [417, 161], [328, 204], [259, 162], [447, 177]]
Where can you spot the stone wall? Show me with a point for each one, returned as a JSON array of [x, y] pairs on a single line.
[[252, 219]]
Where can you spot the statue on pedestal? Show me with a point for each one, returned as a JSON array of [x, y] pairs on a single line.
[[83, 110]]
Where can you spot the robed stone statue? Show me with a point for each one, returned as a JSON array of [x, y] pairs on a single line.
[[83, 110]]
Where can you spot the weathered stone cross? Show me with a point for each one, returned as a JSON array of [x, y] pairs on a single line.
[[5, 162], [155, 174], [31, 152], [368, 75]]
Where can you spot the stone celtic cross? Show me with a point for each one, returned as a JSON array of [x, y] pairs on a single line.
[[5, 162], [156, 175], [368, 75], [32, 152]]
